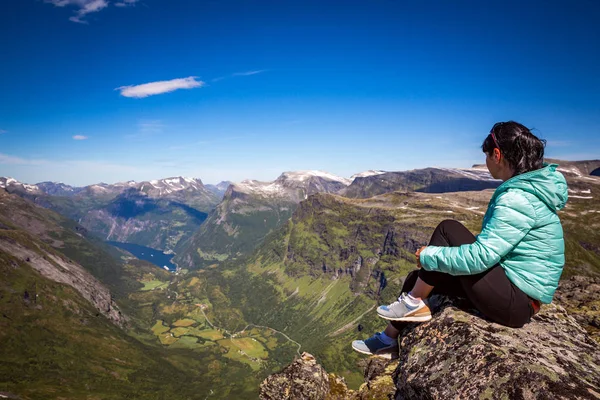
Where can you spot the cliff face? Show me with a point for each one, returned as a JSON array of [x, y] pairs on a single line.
[[58, 269], [460, 355]]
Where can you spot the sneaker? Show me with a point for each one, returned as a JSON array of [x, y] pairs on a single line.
[[374, 346], [404, 310]]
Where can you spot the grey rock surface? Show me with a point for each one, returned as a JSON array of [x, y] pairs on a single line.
[[302, 379]]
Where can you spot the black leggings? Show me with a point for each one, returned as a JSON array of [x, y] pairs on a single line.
[[490, 291]]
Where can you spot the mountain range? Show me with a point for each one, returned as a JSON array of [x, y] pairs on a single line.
[[277, 267]]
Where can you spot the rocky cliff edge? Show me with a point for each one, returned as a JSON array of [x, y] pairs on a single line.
[[460, 355]]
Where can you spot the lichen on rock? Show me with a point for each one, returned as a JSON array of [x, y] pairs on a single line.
[[460, 355]]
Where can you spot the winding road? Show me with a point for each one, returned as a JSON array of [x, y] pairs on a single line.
[[231, 335]]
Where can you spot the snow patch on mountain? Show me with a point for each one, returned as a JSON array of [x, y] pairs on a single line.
[[364, 174], [258, 187]]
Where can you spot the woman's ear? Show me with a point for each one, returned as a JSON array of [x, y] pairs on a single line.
[[497, 155]]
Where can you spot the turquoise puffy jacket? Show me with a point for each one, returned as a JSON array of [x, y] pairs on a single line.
[[521, 231]]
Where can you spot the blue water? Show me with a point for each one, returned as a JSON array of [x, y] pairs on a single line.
[[154, 256]]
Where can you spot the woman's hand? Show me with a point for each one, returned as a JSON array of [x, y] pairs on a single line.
[[418, 254]]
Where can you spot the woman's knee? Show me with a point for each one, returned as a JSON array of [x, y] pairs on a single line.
[[450, 232], [450, 224]]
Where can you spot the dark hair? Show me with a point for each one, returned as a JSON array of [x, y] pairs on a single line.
[[522, 150]]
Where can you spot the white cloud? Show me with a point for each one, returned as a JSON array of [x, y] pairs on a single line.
[[3, 131], [126, 3], [159, 87], [85, 7], [80, 137]]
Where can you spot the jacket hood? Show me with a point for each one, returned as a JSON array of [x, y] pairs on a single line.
[[547, 184]]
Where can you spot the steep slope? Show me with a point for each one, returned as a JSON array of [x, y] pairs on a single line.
[[428, 180], [248, 212], [17, 244]]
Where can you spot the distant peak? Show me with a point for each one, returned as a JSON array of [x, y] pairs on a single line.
[[8, 181]]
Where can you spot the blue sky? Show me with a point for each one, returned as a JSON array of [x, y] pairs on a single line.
[[88, 89]]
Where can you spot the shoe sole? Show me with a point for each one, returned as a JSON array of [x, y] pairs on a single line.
[[424, 318], [387, 356]]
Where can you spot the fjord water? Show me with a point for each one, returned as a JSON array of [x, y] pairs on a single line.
[[156, 257]]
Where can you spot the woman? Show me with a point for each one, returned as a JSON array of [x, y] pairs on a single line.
[[512, 266]]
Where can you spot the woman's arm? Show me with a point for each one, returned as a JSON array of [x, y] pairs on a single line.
[[513, 217]]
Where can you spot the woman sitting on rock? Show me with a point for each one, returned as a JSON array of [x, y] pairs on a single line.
[[507, 270]]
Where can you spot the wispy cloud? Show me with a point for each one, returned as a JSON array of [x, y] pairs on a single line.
[[6, 159], [249, 73], [3, 131], [147, 128], [72, 171], [126, 3], [84, 7], [159, 87], [235, 74], [80, 137], [151, 126]]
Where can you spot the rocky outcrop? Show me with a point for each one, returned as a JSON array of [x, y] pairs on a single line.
[[302, 379], [461, 355], [458, 354], [580, 295]]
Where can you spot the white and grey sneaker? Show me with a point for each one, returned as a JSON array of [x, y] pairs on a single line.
[[405, 310], [376, 347]]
